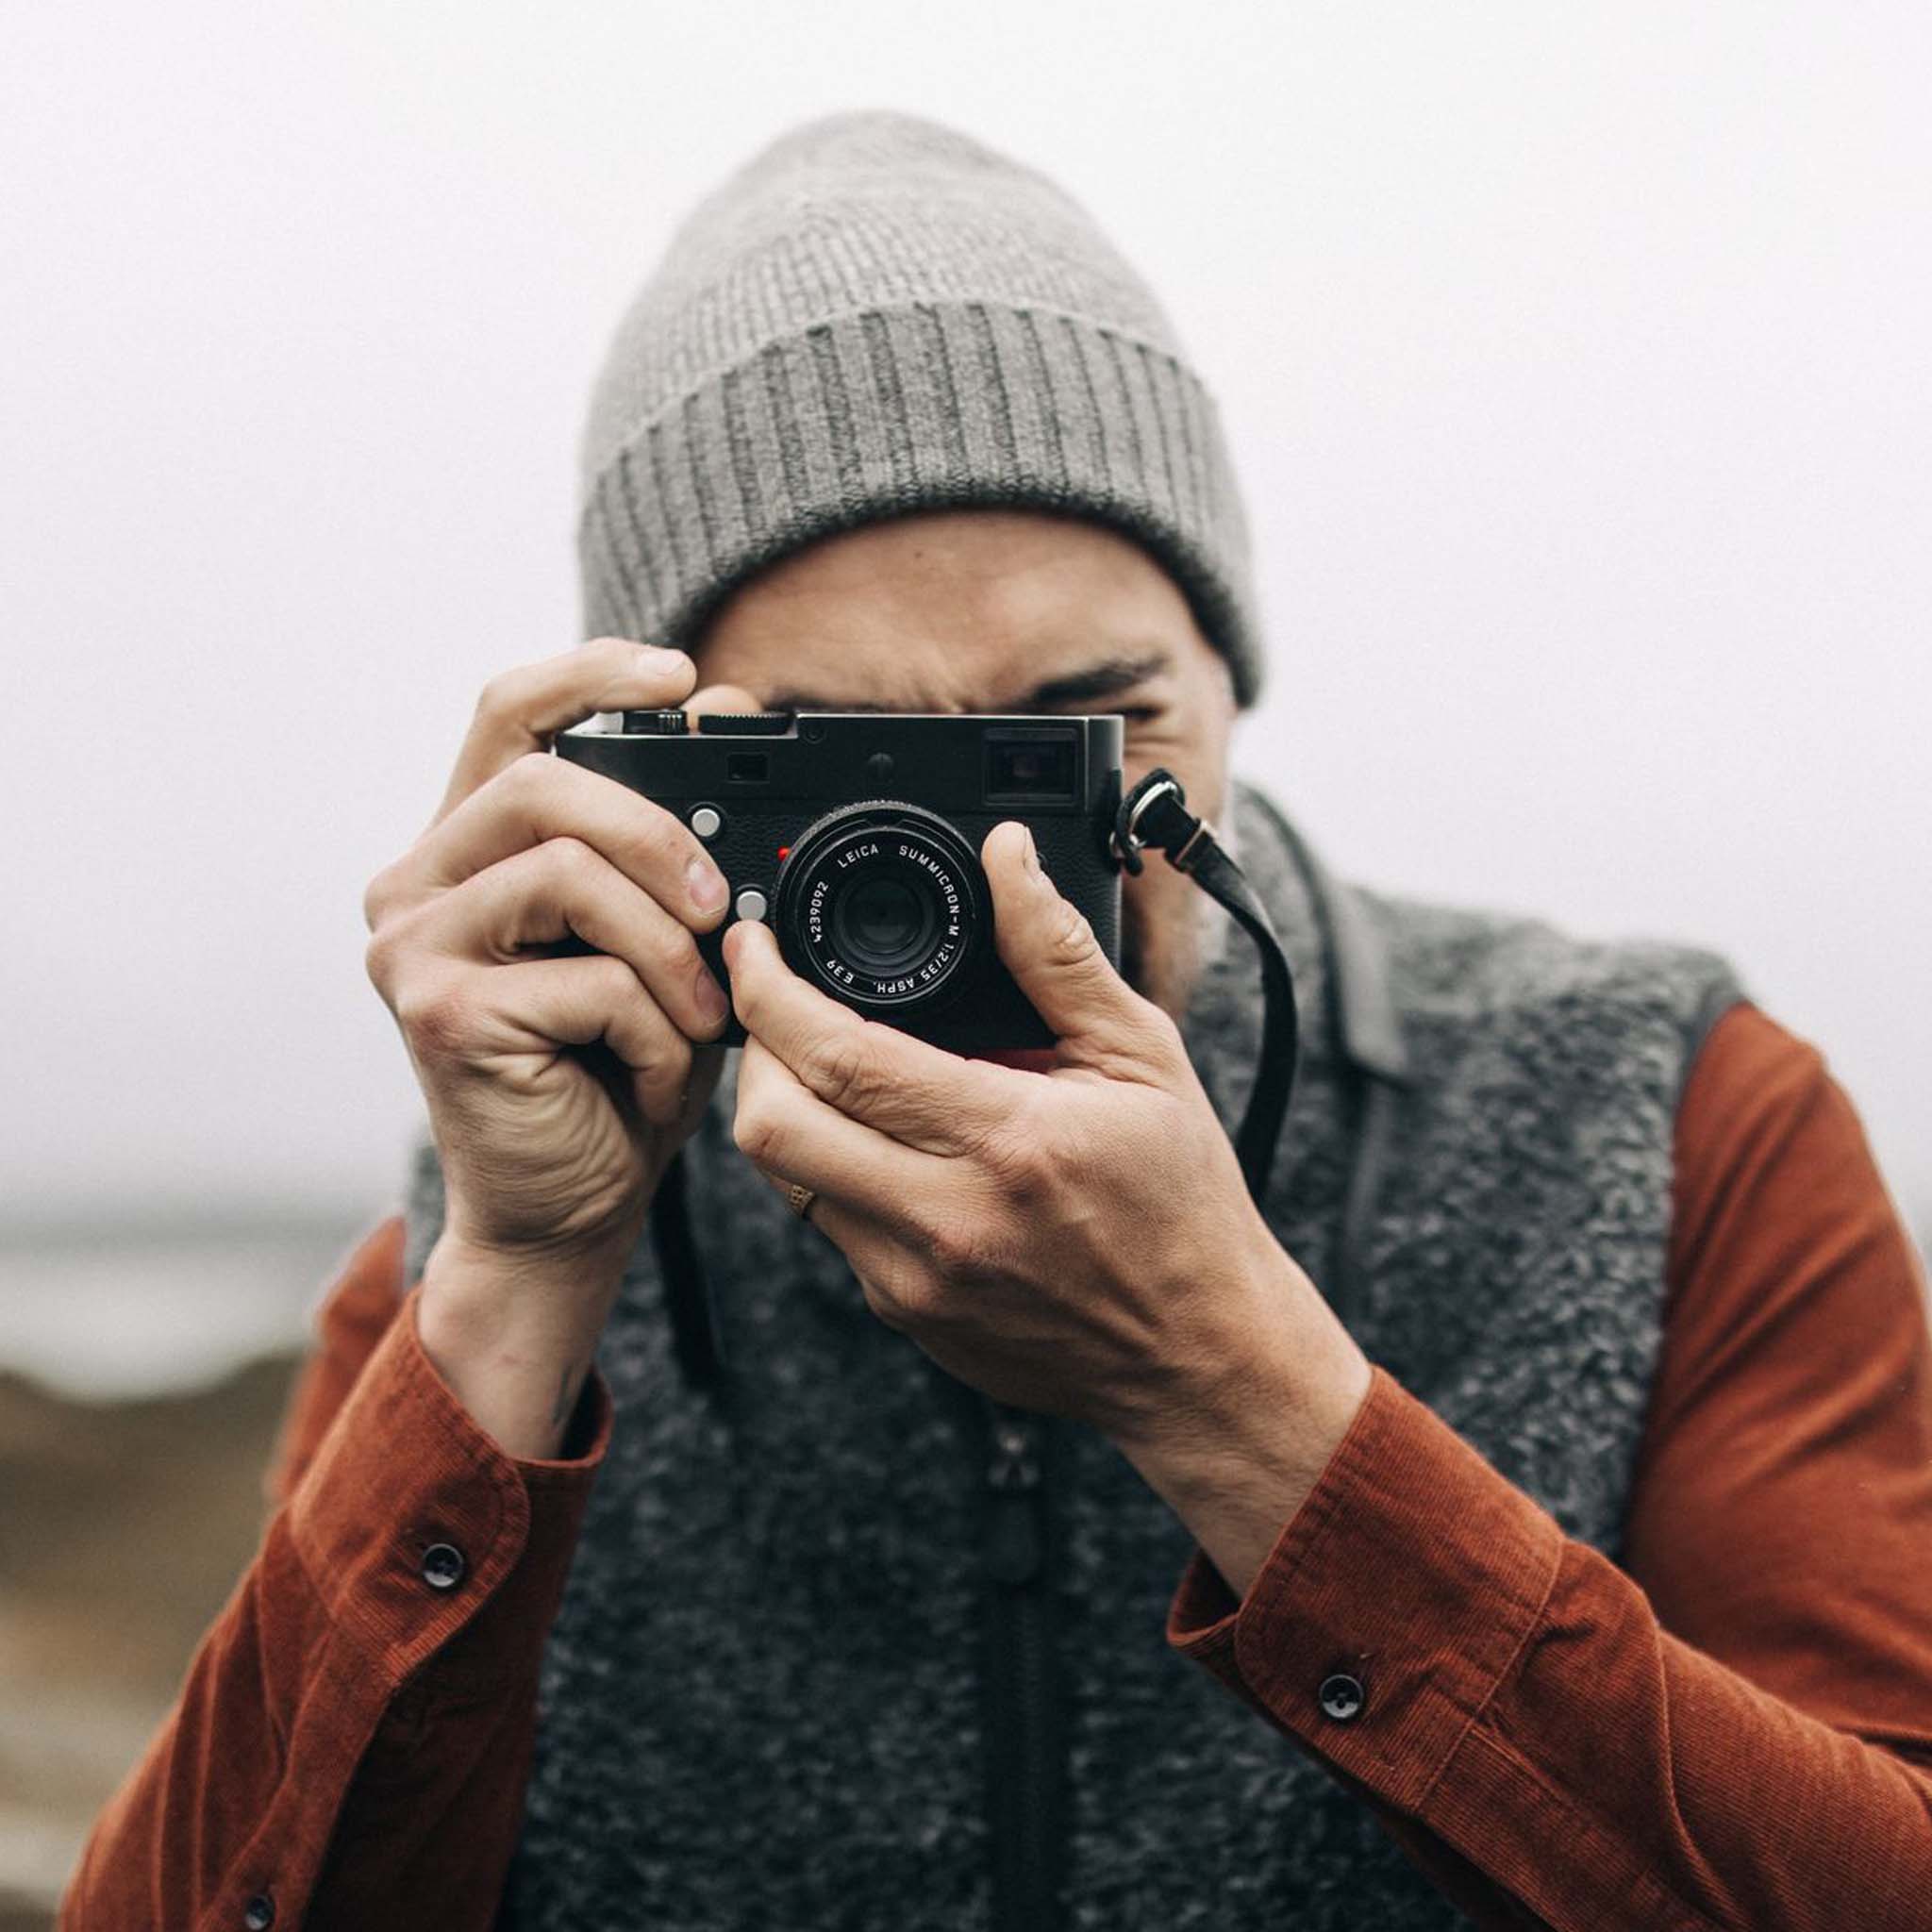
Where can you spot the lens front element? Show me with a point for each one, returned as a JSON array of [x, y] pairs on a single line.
[[883, 925], [881, 904]]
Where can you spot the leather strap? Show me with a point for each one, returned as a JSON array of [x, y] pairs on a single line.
[[689, 1301], [1156, 814]]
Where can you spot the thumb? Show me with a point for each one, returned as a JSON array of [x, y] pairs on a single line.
[[721, 697], [1049, 947]]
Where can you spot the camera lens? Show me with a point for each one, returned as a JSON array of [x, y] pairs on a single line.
[[881, 904], [882, 924]]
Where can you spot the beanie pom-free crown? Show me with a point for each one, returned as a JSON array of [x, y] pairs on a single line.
[[879, 315]]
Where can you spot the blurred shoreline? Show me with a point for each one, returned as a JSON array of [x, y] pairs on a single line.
[[128, 1304]]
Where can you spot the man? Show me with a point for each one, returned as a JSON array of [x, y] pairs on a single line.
[[1570, 1254]]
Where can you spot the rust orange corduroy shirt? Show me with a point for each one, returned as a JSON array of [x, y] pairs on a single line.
[[1734, 1732]]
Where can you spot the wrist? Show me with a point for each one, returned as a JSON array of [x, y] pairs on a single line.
[[513, 1336], [1238, 1454], [1270, 1426]]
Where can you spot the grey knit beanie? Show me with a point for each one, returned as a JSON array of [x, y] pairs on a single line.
[[879, 315]]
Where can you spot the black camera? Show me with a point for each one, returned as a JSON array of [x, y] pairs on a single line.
[[855, 835]]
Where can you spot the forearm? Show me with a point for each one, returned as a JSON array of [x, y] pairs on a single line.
[[1523, 1709]]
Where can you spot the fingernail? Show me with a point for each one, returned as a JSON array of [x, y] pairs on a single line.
[[655, 654], [709, 891], [1032, 853], [712, 1004]]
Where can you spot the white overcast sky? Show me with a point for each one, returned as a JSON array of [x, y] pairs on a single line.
[[1575, 360]]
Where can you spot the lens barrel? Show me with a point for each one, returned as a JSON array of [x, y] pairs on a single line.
[[883, 904]]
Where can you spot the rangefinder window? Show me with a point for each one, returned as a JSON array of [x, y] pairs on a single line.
[[1033, 766]]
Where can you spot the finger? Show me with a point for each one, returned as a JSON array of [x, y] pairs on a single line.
[[520, 709], [784, 1128], [1049, 947], [549, 1003], [563, 888], [542, 797], [820, 1210], [916, 1093], [865, 1242], [889, 1273], [731, 698]]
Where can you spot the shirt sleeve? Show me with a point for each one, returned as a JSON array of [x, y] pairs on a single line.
[[1734, 1730], [352, 1741]]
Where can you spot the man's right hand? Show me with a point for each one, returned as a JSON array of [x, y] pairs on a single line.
[[550, 1153]]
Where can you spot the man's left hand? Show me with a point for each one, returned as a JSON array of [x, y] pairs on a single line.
[[1077, 1239]]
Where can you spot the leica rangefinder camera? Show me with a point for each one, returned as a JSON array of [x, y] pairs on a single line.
[[856, 836]]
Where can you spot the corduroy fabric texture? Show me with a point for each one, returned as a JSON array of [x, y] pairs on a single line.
[[759, 1701], [879, 315]]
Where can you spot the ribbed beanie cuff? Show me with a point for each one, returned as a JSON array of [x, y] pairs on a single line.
[[863, 323]]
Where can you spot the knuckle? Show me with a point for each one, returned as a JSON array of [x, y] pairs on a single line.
[[756, 1130], [529, 776], [437, 1017], [651, 830], [1070, 940], [914, 1297], [663, 1080], [883, 1303], [570, 861], [901, 1298], [841, 1068], [377, 897], [956, 1247], [678, 955], [681, 952], [1012, 1155], [496, 703], [673, 1061]]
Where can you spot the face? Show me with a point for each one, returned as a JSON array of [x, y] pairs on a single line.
[[999, 610]]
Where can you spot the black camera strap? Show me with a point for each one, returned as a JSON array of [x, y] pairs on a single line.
[[1156, 814], [1153, 814]]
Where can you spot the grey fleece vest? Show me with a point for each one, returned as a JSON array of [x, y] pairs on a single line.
[[760, 1705]]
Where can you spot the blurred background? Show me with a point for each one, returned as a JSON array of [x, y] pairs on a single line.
[[1575, 364]]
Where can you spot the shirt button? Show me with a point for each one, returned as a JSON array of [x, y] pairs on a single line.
[[442, 1568], [259, 1914], [1343, 1697]]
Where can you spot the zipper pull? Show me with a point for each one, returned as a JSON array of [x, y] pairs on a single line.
[[1015, 1545]]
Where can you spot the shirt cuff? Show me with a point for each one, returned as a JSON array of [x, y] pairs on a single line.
[[413, 1524], [1391, 1606]]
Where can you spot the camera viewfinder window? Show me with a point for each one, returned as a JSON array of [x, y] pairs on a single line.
[[1032, 767]]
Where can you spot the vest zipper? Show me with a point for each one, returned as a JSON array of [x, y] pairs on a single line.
[[1021, 1693]]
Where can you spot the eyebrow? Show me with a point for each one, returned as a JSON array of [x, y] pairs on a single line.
[[1107, 678]]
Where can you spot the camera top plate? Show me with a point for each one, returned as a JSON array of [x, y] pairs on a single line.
[[1024, 763]]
